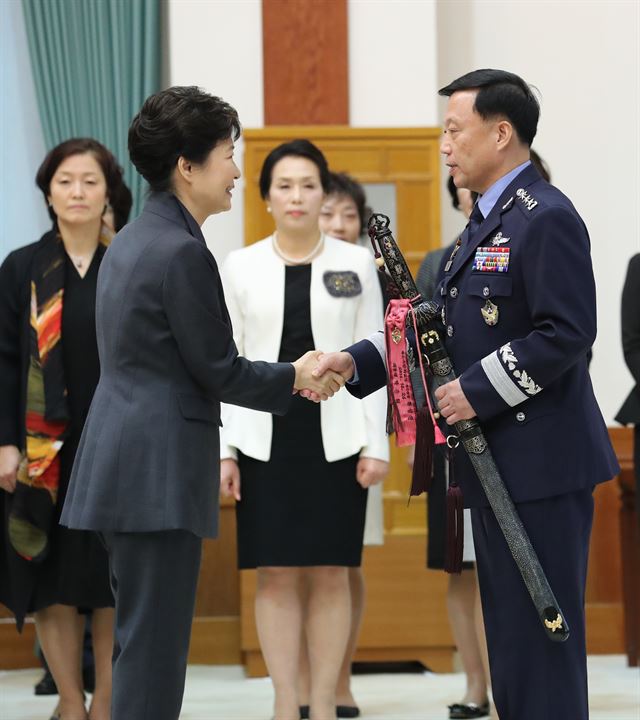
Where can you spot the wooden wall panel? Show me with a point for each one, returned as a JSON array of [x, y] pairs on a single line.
[[305, 59], [17, 651], [405, 615], [408, 158], [218, 587]]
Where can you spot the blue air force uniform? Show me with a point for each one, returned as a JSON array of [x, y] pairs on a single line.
[[519, 317]]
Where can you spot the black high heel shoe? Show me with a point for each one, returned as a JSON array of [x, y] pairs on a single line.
[[342, 711], [468, 711], [348, 711]]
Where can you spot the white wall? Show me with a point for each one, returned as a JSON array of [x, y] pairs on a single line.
[[392, 63], [584, 57], [217, 44], [23, 215]]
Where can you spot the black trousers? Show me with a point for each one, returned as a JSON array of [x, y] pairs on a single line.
[[154, 577], [534, 678]]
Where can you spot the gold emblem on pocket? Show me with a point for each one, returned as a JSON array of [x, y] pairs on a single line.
[[490, 313]]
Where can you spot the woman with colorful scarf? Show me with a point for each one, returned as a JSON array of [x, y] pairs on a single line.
[[49, 369]]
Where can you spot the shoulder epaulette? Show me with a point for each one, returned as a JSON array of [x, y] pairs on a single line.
[[526, 199]]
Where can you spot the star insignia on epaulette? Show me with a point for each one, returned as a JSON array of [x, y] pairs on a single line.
[[527, 200]]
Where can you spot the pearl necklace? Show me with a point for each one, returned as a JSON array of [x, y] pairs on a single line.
[[296, 261]]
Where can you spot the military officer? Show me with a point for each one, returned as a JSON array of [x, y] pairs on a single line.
[[518, 317]]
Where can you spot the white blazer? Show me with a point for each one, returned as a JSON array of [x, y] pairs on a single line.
[[253, 279]]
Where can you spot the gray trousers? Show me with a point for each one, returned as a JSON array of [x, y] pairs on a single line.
[[154, 577]]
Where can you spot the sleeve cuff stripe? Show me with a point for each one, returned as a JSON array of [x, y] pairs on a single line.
[[502, 383]]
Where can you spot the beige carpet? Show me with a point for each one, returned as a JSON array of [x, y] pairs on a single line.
[[223, 693]]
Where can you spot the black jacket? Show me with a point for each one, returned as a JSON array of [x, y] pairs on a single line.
[[15, 299], [629, 413]]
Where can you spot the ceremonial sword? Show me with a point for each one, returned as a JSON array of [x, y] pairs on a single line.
[[469, 432]]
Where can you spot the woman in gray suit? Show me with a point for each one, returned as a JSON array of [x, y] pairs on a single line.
[[147, 469]]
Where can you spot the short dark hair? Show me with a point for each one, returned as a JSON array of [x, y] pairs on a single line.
[[540, 165], [501, 93], [344, 185], [453, 191], [79, 146], [178, 122], [296, 148], [121, 201]]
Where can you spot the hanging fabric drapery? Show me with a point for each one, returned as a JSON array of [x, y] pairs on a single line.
[[94, 62]]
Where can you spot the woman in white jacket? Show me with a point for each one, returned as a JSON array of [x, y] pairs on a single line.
[[301, 481]]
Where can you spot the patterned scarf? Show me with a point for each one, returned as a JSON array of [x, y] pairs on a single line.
[[47, 417]]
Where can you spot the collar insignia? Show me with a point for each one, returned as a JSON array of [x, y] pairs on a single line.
[[527, 200], [508, 203]]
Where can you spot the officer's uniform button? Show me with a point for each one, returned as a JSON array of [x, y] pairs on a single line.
[[486, 291], [521, 417], [453, 292], [450, 330]]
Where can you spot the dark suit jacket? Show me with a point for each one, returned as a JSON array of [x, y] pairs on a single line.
[[526, 376], [149, 455], [629, 413]]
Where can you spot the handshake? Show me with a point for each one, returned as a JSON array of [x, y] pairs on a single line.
[[320, 375]]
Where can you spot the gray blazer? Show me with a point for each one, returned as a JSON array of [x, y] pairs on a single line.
[[149, 455]]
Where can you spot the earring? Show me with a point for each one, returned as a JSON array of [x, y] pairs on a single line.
[[268, 208]]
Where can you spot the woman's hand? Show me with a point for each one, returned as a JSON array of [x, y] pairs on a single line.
[[370, 471], [229, 479], [9, 461]]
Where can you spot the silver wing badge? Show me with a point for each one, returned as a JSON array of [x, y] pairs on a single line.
[[498, 239]]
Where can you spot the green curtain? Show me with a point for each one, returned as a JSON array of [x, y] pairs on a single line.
[[94, 62]]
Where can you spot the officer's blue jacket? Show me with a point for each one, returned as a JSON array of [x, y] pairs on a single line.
[[523, 361]]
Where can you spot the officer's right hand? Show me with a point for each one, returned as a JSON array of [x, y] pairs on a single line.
[[331, 363], [339, 362], [312, 384], [9, 461]]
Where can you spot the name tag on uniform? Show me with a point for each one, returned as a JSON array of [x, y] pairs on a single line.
[[491, 259]]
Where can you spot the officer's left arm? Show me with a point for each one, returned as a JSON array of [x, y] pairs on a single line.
[[559, 289]]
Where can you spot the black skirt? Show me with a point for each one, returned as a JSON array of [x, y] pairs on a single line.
[[297, 509]]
